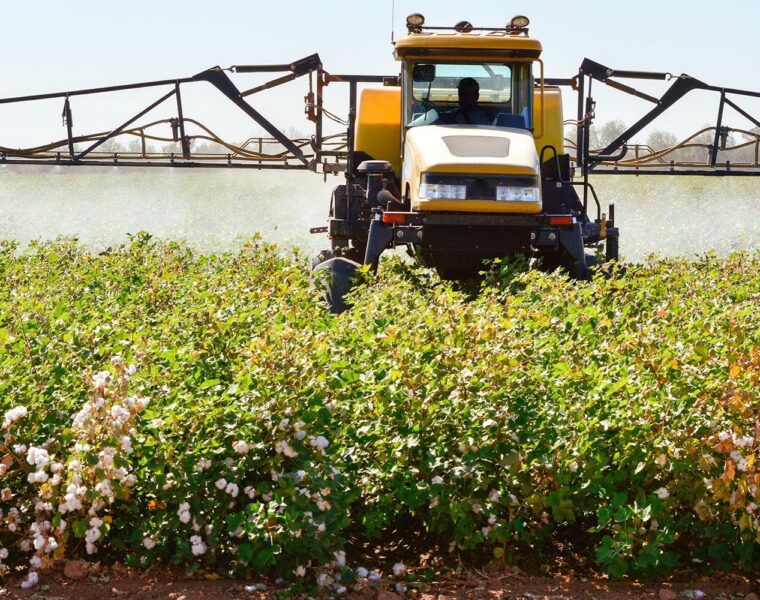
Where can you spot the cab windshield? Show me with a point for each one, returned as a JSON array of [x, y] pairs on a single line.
[[483, 93]]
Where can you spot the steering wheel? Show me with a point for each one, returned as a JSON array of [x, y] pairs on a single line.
[[446, 118], [427, 104]]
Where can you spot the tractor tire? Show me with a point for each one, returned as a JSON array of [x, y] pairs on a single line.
[[592, 265], [321, 257], [337, 276]]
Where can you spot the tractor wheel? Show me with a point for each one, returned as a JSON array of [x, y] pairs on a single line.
[[321, 257], [592, 265], [336, 277]]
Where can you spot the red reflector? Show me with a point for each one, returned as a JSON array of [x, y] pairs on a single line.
[[561, 220], [394, 217]]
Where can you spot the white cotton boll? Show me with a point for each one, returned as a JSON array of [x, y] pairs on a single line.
[[184, 517], [321, 528], [39, 542], [104, 487], [373, 576], [662, 493], [494, 495], [101, 379], [221, 483], [241, 447], [14, 415], [300, 475], [301, 434], [319, 442], [131, 370], [3, 553], [362, 572], [199, 549], [489, 423], [323, 579], [398, 569], [340, 558], [282, 447], [323, 504], [437, 480], [300, 571], [31, 580], [126, 444], [232, 489], [149, 543], [341, 589], [400, 588], [37, 456], [492, 520], [250, 491]]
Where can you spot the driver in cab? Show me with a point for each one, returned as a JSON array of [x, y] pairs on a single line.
[[468, 113]]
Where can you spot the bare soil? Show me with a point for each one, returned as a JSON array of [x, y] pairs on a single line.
[[494, 582]]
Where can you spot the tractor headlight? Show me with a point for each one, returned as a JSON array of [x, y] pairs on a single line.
[[442, 191], [512, 193]]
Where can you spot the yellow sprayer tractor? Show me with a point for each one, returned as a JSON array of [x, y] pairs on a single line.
[[461, 158]]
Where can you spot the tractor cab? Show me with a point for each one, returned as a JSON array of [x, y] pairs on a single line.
[[499, 94]]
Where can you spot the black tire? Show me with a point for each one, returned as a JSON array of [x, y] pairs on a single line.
[[337, 276], [321, 257], [592, 264]]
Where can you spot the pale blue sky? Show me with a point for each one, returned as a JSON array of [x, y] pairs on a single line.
[[54, 46]]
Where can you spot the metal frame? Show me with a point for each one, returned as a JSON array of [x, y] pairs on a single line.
[[319, 153], [606, 161]]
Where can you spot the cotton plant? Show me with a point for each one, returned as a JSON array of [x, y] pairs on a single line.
[[71, 488]]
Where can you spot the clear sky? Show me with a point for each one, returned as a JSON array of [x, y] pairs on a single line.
[[55, 46]]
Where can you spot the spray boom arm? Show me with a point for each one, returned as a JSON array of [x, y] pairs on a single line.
[[319, 152], [333, 153]]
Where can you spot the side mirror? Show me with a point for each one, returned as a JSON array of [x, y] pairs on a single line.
[[425, 73]]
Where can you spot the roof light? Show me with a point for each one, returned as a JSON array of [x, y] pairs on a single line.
[[415, 21], [463, 27], [519, 22]]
